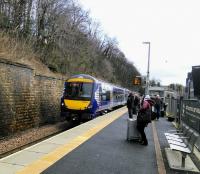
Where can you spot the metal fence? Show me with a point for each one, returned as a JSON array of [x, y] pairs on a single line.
[[171, 109], [187, 111], [190, 114]]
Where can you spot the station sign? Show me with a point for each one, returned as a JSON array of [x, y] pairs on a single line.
[[137, 80]]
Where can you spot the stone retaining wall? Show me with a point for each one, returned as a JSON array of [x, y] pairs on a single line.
[[27, 100]]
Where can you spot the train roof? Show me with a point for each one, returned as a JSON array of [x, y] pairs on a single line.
[[83, 76], [94, 79]]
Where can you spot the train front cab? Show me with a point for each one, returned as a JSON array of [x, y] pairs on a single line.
[[77, 102]]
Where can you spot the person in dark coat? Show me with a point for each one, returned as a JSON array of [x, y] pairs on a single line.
[[145, 109], [158, 106], [130, 104], [136, 104]]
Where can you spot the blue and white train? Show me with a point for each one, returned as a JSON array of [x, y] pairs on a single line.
[[85, 97]]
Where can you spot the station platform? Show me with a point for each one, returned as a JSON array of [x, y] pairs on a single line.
[[98, 146]]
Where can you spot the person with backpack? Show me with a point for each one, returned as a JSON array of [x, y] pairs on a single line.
[[130, 104], [144, 117]]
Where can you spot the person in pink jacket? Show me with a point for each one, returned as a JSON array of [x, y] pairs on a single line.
[[144, 117]]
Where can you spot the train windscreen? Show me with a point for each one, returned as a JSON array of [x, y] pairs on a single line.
[[78, 90]]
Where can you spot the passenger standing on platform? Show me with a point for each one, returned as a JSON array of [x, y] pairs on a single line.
[[136, 104], [144, 117], [158, 106], [130, 104]]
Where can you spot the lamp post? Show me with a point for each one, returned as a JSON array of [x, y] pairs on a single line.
[[147, 79]]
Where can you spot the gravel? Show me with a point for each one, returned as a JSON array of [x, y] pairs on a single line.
[[21, 140]]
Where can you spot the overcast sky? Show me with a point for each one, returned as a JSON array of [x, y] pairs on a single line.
[[172, 27]]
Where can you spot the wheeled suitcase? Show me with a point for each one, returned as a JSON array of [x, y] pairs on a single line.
[[132, 132]]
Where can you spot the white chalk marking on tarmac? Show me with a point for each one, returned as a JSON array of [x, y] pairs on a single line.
[[159, 158]]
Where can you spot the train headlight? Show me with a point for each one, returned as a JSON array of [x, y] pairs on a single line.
[[62, 104]]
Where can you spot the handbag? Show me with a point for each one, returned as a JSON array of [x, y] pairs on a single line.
[[144, 117]]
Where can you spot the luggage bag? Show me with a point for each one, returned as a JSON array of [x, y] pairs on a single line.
[[132, 132]]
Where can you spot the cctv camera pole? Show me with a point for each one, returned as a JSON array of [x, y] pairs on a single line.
[[147, 78]]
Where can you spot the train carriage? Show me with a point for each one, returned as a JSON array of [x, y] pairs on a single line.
[[85, 97]]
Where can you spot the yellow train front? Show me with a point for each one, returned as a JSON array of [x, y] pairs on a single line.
[[84, 97]]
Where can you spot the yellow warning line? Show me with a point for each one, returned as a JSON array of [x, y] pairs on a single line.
[[49, 159], [159, 158]]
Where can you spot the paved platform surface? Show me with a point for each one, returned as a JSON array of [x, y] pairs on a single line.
[[95, 147], [108, 152]]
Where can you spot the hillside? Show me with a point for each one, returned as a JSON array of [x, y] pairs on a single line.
[[61, 38], [21, 52]]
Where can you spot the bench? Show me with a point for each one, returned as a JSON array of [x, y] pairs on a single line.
[[181, 131], [179, 137], [183, 142]]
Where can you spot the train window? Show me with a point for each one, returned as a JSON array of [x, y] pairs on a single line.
[[78, 90], [103, 97], [100, 89], [107, 95]]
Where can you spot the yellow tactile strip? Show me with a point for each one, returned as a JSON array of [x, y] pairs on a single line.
[[49, 159]]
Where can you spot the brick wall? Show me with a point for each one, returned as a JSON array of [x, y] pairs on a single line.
[[26, 99]]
